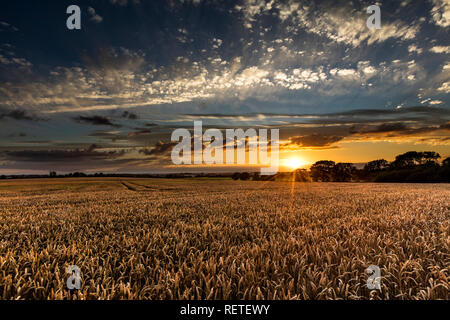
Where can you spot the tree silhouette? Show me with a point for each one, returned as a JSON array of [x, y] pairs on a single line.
[[245, 176], [376, 166], [413, 158], [322, 170], [412, 166], [343, 172], [446, 162]]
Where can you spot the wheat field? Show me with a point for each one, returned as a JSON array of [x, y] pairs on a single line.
[[222, 239]]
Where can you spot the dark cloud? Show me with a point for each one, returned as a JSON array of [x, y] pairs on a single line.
[[315, 140], [385, 127], [20, 135], [96, 120], [129, 115], [139, 132], [17, 115], [434, 140], [399, 128], [37, 141], [92, 147], [159, 149], [107, 135], [382, 112], [318, 135], [67, 155], [353, 116]]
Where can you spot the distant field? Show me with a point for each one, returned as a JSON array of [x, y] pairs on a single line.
[[223, 239]]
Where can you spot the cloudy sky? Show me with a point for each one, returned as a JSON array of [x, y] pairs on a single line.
[[108, 96]]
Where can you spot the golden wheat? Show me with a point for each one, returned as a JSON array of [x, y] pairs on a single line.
[[206, 239]]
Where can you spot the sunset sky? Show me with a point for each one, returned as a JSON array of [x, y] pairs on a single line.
[[107, 97]]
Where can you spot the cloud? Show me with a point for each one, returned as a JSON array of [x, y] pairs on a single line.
[[94, 16], [159, 149], [330, 137], [121, 78], [16, 115], [445, 87], [341, 23], [414, 48], [139, 132], [69, 155], [324, 131], [9, 59], [108, 61], [398, 129], [343, 72], [420, 113], [382, 128], [5, 26], [129, 115], [440, 13], [96, 120], [286, 64], [280, 61], [440, 49], [19, 62], [109, 135], [315, 140], [381, 112]]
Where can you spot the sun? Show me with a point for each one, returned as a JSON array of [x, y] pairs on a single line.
[[294, 163]]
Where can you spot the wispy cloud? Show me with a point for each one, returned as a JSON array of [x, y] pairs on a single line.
[[341, 22], [94, 16], [5, 26]]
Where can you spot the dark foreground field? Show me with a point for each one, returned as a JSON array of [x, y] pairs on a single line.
[[222, 239]]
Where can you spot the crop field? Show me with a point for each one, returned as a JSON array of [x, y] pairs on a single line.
[[222, 239]]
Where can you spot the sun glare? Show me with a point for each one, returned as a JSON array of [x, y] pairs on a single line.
[[294, 163]]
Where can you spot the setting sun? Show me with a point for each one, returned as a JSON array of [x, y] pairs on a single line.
[[294, 163]]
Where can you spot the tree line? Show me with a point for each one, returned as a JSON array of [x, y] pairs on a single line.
[[411, 166]]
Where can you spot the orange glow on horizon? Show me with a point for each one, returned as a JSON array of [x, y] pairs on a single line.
[[294, 163]]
